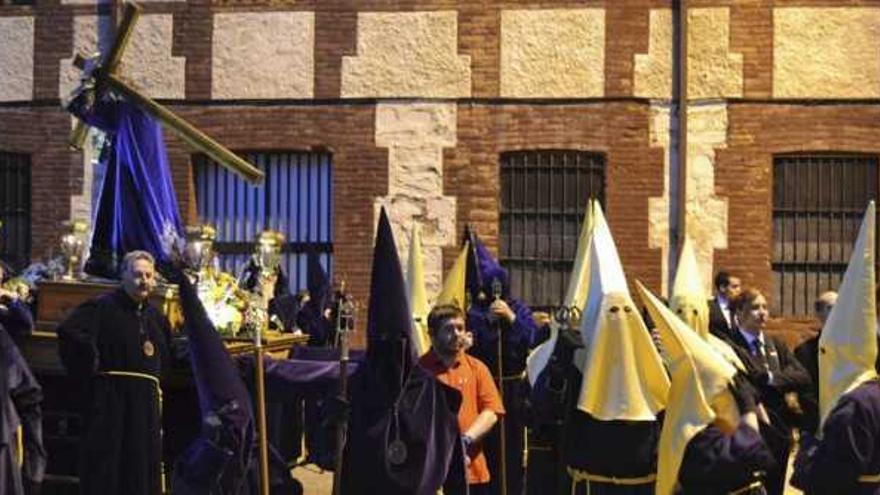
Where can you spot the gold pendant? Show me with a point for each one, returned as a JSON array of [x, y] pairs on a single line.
[[149, 349]]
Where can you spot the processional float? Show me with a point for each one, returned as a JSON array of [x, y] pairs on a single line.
[[100, 77]]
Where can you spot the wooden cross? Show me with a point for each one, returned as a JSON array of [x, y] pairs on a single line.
[[106, 78]]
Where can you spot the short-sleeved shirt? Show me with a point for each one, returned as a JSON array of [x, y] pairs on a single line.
[[478, 393]]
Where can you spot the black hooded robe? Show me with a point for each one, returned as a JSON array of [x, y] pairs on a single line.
[[121, 449]]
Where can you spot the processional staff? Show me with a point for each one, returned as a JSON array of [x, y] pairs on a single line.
[[344, 327]]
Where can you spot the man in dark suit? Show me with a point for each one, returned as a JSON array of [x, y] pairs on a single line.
[[727, 287], [777, 375]]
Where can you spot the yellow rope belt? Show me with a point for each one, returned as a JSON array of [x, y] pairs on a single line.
[[869, 478], [19, 442], [751, 486], [578, 476], [142, 376], [155, 381]]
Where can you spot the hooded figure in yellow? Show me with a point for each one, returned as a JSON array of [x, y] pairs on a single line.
[[690, 303], [418, 298], [575, 296], [848, 342], [453, 291], [612, 433], [702, 416], [623, 375]]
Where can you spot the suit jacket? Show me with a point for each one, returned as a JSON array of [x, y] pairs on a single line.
[[717, 323], [788, 375]]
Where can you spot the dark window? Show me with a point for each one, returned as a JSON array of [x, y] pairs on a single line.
[[818, 203], [543, 198], [15, 208], [296, 199]]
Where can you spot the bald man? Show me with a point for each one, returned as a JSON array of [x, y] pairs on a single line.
[[808, 355]]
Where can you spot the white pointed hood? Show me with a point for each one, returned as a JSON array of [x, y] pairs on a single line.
[[418, 297], [623, 376], [690, 302], [698, 376], [848, 343], [576, 295]]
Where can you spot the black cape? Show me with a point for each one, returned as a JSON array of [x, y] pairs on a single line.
[[395, 402]]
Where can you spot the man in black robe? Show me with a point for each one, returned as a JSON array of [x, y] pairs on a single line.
[[116, 346], [22, 458], [403, 436]]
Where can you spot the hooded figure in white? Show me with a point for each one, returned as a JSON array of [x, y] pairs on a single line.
[[575, 296], [706, 446], [690, 303], [623, 388], [846, 458]]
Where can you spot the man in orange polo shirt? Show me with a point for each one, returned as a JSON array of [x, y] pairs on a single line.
[[480, 404]]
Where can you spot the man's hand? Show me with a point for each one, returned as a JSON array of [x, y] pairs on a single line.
[[500, 309]]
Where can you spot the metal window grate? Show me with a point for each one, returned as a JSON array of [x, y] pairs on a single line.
[[15, 208], [818, 203], [543, 197], [295, 199]]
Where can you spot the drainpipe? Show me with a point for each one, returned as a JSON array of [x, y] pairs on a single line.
[[678, 138]]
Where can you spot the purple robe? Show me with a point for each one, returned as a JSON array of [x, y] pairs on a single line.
[[849, 448], [20, 397], [716, 464]]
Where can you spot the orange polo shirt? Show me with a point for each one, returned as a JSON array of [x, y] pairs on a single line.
[[471, 377]]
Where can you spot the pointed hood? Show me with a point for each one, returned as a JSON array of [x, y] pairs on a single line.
[[390, 350], [418, 297], [317, 281], [575, 296], [698, 375], [453, 291], [623, 376], [224, 400], [690, 302], [848, 343], [473, 280], [489, 270], [579, 281]]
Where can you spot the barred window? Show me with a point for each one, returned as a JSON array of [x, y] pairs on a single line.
[[296, 199], [15, 208], [543, 197], [818, 203]]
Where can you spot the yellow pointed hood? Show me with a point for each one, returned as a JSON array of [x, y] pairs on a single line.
[[418, 297], [690, 302], [576, 295], [848, 343], [698, 376], [453, 291], [623, 376], [579, 281]]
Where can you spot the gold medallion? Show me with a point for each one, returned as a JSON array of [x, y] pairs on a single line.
[[149, 349]]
